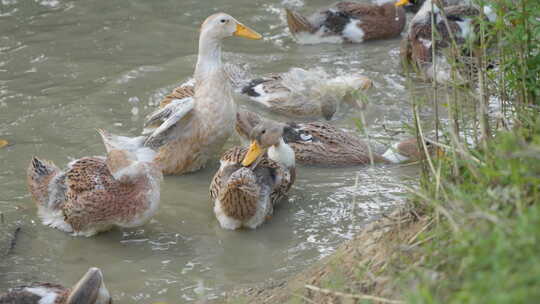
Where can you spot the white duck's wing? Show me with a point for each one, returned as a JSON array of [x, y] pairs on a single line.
[[171, 116]]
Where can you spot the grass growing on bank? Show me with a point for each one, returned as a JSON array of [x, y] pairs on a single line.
[[485, 243], [484, 198]]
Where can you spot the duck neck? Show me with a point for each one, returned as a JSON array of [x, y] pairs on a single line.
[[209, 59], [282, 153]]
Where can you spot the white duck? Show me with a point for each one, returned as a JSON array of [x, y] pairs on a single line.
[[187, 132]]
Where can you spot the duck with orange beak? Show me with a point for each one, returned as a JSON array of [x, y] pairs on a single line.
[[251, 181], [190, 129]]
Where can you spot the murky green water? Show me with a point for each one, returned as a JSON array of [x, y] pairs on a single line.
[[68, 67]]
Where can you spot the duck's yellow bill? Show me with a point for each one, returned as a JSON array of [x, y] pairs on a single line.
[[402, 2], [3, 143], [252, 154], [246, 32]]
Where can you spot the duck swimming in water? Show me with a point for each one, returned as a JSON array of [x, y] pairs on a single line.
[[89, 290], [317, 143], [348, 22], [96, 193], [187, 132], [305, 93], [251, 181], [417, 47]]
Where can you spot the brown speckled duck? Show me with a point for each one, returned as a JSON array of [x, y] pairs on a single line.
[[96, 193], [89, 290], [350, 22], [417, 46], [318, 143], [187, 132], [250, 181]]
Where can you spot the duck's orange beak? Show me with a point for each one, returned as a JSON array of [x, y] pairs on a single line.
[[252, 154], [246, 32], [402, 2]]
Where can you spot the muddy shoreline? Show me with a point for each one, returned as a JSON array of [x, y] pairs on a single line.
[[360, 269]]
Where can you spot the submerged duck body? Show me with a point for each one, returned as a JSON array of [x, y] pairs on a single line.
[[417, 46], [89, 290], [349, 22], [304, 93], [187, 132], [251, 181], [318, 143], [96, 193]]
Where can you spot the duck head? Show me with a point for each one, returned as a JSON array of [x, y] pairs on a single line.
[[221, 25], [268, 137], [90, 289]]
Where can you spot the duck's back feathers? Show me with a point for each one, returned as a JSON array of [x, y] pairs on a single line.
[[245, 196], [351, 21], [323, 144], [240, 195]]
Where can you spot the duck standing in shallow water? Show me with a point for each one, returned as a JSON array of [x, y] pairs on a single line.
[[251, 181], [96, 193], [89, 290], [349, 22], [322, 144], [187, 132]]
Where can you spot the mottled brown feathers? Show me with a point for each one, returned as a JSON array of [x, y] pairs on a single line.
[[240, 190], [94, 196], [331, 146], [239, 199]]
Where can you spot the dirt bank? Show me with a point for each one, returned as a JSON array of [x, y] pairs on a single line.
[[360, 269]]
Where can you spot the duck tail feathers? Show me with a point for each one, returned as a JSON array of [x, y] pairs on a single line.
[[40, 175], [40, 169]]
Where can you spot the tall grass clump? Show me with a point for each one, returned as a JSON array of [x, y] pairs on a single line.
[[484, 193]]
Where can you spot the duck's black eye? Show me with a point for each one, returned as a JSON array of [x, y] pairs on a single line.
[[223, 20], [263, 131]]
